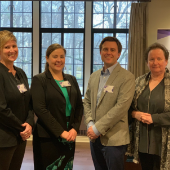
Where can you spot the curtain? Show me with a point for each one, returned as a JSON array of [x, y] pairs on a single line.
[[137, 39]]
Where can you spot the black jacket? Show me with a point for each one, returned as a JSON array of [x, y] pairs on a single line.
[[49, 105], [15, 107]]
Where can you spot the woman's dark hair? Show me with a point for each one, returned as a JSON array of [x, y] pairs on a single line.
[[50, 49], [157, 46]]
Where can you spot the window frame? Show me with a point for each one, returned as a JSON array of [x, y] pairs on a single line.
[[105, 30], [62, 31], [22, 30]]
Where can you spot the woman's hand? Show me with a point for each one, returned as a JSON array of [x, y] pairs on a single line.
[[137, 115], [143, 117], [72, 135], [64, 135], [27, 132], [146, 118]]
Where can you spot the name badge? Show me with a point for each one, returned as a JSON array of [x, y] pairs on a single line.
[[22, 88], [65, 84], [108, 89]]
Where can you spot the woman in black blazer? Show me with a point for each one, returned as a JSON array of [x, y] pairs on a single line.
[[58, 105], [16, 115]]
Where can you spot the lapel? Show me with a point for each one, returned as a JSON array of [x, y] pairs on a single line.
[[110, 81], [96, 85], [49, 76], [69, 88], [22, 79]]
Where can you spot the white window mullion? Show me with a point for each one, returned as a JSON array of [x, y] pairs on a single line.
[[87, 64], [36, 19]]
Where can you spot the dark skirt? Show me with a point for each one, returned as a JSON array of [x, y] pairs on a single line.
[[52, 154]]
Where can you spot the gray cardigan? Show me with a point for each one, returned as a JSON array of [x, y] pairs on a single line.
[[141, 83]]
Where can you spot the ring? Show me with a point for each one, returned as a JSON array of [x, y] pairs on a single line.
[[25, 133]]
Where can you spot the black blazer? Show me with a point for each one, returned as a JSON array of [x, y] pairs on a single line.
[[49, 105], [15, 107]]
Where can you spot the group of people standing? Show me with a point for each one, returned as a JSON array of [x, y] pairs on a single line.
[[114, 103]]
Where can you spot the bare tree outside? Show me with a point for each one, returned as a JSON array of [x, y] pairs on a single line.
[[110, 15], [18, 14], [65, 14]]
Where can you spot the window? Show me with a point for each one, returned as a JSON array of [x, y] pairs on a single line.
[[24, 60], [62, 22], [16, 16], [110, 18]]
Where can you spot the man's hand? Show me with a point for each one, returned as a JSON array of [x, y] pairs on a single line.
[[91, 134], [27, 132]]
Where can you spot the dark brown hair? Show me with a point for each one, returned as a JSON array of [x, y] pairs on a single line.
[[50, 49], [157, 46], [114, 39]]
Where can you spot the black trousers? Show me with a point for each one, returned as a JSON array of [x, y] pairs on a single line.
[[149, 161], [49, 153], [107, 157], [11, 157]]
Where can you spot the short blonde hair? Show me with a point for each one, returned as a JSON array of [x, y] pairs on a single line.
[[6, 36]]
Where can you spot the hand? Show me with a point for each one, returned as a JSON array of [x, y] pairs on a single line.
[[64, 135], [137, 115], [147, 118], [91, 134], [27, 132], [72, 135]]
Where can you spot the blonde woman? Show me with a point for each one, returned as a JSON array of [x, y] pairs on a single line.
[[16, 115]]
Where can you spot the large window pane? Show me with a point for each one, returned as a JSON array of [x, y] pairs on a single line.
[[97, 62], [65, 16], [115, 17], [123, 59], [45, 6], [47, 40], [111, 14], [16, 14], [54, 12], [46, 20], [74, 43], [123, 13], [24, 60], [5, 6]]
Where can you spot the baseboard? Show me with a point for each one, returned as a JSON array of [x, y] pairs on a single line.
[[78, 139]]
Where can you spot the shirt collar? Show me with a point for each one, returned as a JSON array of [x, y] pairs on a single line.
[[109, 70]]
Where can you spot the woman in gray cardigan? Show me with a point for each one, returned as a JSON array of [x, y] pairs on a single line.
[[150, 110]]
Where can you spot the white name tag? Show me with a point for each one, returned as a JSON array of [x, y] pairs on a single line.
[[22, 88], [65, 84], [108, 89]]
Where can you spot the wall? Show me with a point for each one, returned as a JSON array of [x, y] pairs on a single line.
[[158, 18]]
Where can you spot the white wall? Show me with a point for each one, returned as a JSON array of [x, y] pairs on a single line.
[[158, 18]]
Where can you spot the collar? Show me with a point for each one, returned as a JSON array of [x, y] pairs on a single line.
[[49, 75], [109, 70], [148, 75], [5, 68]]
